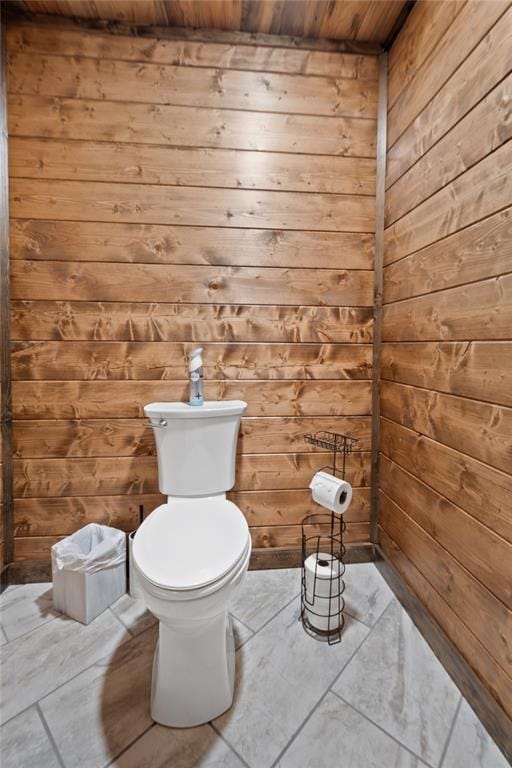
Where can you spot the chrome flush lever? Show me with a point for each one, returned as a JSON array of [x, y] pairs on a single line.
[[161, 424]]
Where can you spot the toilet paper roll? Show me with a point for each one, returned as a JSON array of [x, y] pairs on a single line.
[[322, 596], [331, 492]]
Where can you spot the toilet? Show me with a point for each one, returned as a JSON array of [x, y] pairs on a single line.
[[191, 555]]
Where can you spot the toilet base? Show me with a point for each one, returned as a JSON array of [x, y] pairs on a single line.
[[193, 672]]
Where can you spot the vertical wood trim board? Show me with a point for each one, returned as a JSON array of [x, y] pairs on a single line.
[[378, 287], [210, 194], [446, 352], [6, 511]]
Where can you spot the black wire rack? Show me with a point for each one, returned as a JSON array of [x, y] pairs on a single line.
[[323, 551], [322, 602], [336, 443]]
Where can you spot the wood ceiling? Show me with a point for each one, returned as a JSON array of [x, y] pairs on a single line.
[[361, 20]]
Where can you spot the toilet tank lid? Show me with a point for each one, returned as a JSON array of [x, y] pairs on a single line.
[[189, 543], [210, 408]]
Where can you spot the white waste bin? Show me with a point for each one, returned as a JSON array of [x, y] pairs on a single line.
[[89, 571]]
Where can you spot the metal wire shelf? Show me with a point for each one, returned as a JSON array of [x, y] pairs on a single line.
[[336, 443]]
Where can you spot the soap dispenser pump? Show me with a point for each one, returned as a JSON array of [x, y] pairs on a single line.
[[195, 369]]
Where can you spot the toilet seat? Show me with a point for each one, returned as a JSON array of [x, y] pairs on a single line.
[[191, 543]]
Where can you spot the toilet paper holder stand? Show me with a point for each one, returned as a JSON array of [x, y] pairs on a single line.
[[322, 584]]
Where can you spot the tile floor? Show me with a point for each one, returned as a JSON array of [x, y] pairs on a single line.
[[78, 697]]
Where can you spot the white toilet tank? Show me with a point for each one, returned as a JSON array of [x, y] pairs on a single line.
[[196, 446]]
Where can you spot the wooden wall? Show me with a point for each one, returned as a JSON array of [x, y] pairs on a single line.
[[446, 431], [167, 194]]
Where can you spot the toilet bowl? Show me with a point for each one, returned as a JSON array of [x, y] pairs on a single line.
[[191, 555]]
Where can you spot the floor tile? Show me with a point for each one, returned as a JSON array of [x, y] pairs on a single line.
[[96, 715], [25, 609], [43, 659], [180, 748], [241, 632], [470, 745], [337, 735], [366, 592], [25, 743], [396, 681], [281, 674], [133, 614], [263, 594], [6, 594]]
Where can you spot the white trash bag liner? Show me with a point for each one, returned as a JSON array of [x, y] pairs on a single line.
[[91, 549], [89, 571]]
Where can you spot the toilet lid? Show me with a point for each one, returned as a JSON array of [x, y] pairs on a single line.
[[189, 543]]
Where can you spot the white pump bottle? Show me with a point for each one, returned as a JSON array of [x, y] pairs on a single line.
[[195, 369]]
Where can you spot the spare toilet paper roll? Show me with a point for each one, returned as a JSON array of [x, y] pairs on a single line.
[[323, 595], [331, 492]]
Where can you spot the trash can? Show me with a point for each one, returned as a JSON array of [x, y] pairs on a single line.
[[89, 571]]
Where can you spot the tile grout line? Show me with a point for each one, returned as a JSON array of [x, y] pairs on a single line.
[[256, 631], [252, 631], [450, 732], [322, 697], [125, 626], [371, 626], [129, 639], [226, 742], [115, 758], [34, 629], [50, 735], [383, 730]]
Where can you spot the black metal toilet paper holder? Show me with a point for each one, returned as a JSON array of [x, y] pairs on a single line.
[[322, 540]]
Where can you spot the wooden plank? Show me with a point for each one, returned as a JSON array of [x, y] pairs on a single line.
[[489, 62], [478, 429], [151, 243], [468, 28], [378, 285], [196, 206], [234, 169], [485, 555], [204, 35], [129, 437], [125, 399], [190, 126], [82, 360], [6, 513], [481, 191], [189, 53], [289, 507], [72, 281], [482, 491], [482, 250], [38, 548], [290, 535], [83, 78], [471, 667], [64, 515], [477, 369], [264, 558], [424, 27], [145, 321], [477, 311], [484, 615], [455, 153], [117, 475]]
